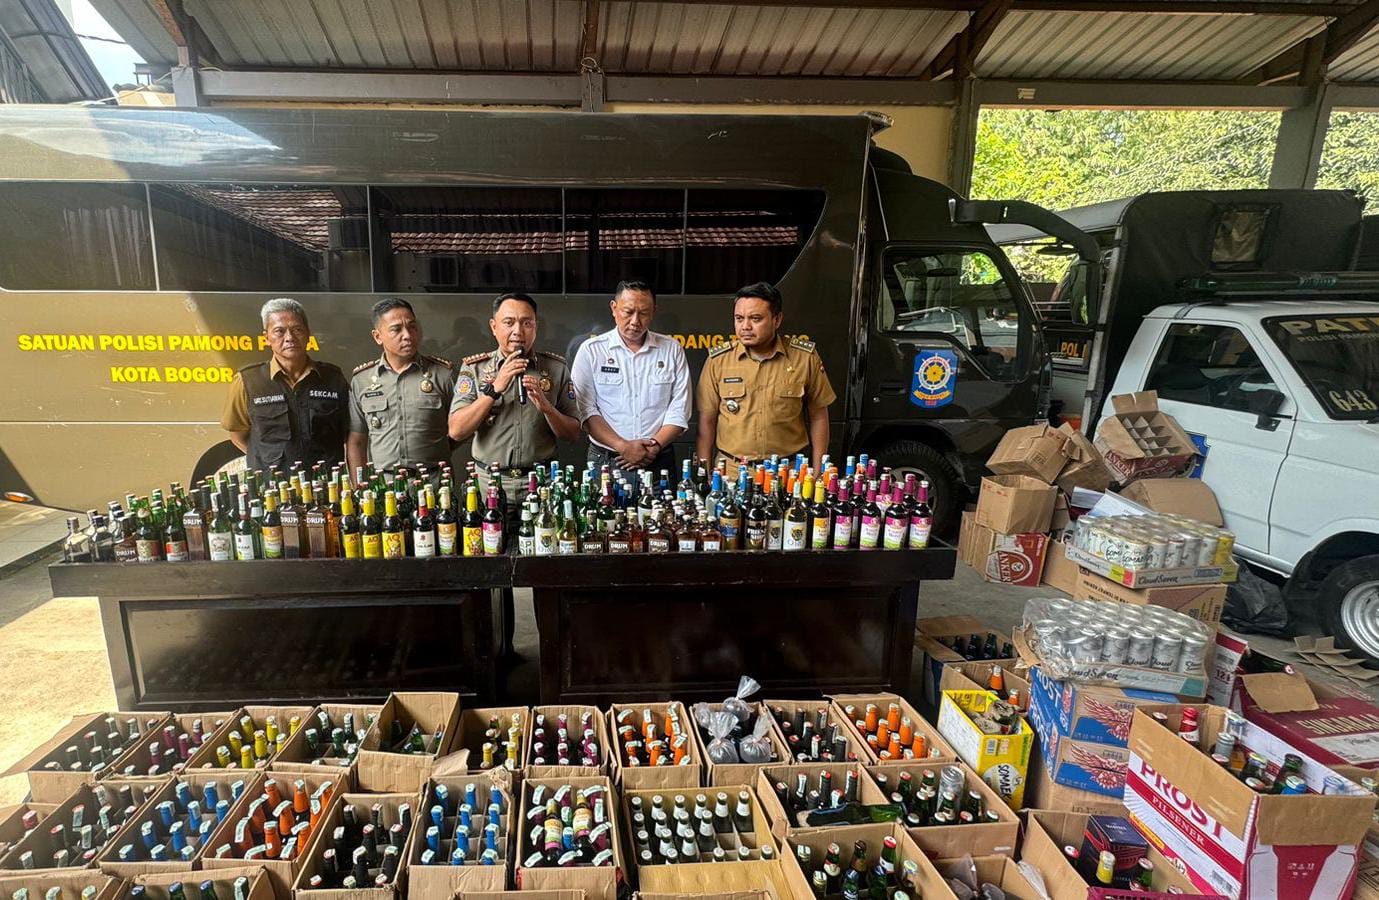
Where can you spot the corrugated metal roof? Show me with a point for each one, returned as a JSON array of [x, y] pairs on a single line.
[[56, 60], [1138, 46], [722, 38], [1359, 63]]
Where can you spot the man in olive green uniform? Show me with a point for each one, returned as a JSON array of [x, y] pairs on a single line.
[[761, 394], [291, 409], [516, 436], [399, 402]]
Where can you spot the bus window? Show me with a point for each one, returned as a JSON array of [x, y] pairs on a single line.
[[958, 293], [466, 239], [245, 237], [624, 234], [75, 237], [738, 237]]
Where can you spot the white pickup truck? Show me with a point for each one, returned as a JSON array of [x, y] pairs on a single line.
[[1245, 312]]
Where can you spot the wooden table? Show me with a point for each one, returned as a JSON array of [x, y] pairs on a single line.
[[687, 625], [203, 635]]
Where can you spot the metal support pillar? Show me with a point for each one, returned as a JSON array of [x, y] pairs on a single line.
[[186, 80], [591, 90], [1301, 136], [962, 145]]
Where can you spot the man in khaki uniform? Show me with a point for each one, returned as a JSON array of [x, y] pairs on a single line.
[[760, 394], [400, 401]]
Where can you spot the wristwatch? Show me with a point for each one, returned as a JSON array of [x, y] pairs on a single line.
[[489, 391]]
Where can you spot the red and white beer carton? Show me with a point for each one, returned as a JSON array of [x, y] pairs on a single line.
[[1227, 838]]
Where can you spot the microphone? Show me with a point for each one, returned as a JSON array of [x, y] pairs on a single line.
[[521, 385]]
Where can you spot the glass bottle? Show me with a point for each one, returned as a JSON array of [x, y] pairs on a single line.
[[526, 533], [567, 543], [545, 525], [447, 527], [921, 518], [472, 535], [394, 533], [194, 525], [493, 525], [290, 516], [246, 531], [820, 519], [424, 528], [76, 547], [370, 528], [220, 532], [351, 544]]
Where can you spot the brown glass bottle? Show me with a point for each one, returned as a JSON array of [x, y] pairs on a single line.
[[292, 516]]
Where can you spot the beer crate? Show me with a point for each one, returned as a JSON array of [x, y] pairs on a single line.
[[156, 885], [139, 761], [12, 829], [689, 774], [735, 874], [51, 779], [314, 861], [379, 767], [441, 880], [1001, 760], [978, 838], [573, 716], [597, 882], [282, 873], [1147, 578], [928, 881], [297, 755], [852, 708], [71, 882], [788, 716], [997, 869], [195, 784], [936, 655], [209, 756], [470, 737], [782, 821], [737, 773], [40, 842]]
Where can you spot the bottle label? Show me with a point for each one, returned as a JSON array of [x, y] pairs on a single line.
[[127, 552], [372, 545], [842, 533], [394, 545], [756, 537], [221, 545], [148, 551], [423, 543], [775, 531], [870, 532], [895, 535], [712, 544], [176, 551], [473, 542], [818, 535], [568, 546], [545, 541], [919, 532], [445, 538], [619, 545], [728, 528], [526, 545], [592, 544], [658, 545], [244, 546], [272, 542], [352, 545], [793, 537], [493, 539], [687, 544]]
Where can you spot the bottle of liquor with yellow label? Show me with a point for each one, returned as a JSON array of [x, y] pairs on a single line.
[[473, 536], [351, 535], [371, 529], [447, 528], [394, 533], [271, 531]]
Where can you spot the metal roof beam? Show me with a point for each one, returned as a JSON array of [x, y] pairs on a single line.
[[962, 50], [393, 87], [739, 89], [1307, 60], [1153, 7], [1138, 94]]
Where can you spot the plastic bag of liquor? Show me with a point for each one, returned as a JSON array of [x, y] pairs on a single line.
[[962, 880], [722, 748], [756, 747], [737, 704]]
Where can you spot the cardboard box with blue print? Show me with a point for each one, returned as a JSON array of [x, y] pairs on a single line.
[[1101, 715], [1081, 765]]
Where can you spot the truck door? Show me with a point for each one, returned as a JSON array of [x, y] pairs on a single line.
[[1211, 379]]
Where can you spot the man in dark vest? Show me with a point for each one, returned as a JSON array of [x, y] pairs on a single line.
[[291, 408]]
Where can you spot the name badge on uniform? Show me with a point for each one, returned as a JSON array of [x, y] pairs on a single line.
[[612, 370], [736, 379], [368, 395]]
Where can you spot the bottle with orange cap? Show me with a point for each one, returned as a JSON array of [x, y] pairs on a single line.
[[892, 735], [279, 821], [648, 738]]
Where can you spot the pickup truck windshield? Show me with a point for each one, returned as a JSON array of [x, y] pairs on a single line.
[[1338, 357]]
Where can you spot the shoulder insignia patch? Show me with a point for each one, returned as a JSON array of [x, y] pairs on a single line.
[[801, 343], [722, 348], [441, 360], [362, 366], [477, 357], [555, 356]]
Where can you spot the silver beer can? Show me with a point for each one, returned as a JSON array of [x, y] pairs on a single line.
[[1167, 649], [1115, 648], [1194, 654], [1140, 650]]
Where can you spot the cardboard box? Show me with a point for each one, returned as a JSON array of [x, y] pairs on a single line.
[[260, 886], [753, 880], [379, 769], [1044, 793], [313, 862], [784, 714], [441, 881], [1203, 602], [1039, 451], [743, 874], [39, 842], [1140, 441], [689, 774], [12, 829], [598, 883], [1339, 730], [1002, 761], [1101, 715], [976, 676], [930, 635], [574, 715], [1002, 558], [1367, 880], [565, 894], [1182, 684], [1015, 504], [72, 882], [209, 756], [781, 822], [944, 841], [468, 747], [109, 860], [737, 773], [931, 885], [1146, 578], [1060, 572], [1046, 834], [1226, 837], [1097, 768], [1189, 497], [57, 784], [1000, 870], [858, 703], [1085, 467], [297, 754], [281, 873]]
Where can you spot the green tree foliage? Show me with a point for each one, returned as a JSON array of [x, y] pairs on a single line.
[[1350, 155]]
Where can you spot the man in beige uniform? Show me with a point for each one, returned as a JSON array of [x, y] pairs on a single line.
[[761, 394]]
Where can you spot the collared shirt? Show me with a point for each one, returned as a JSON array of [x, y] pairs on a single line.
[[636, 392], [762, 404], [234, 416], [514, 434], [404, 413]]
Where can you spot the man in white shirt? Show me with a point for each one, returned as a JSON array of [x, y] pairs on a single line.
[[632, 387]]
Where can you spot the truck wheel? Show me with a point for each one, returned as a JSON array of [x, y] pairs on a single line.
[[1350, 605], [929, 465]]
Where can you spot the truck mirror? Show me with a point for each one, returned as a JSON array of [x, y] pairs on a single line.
[[1265, 403]]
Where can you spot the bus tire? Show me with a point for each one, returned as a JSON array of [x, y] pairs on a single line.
[[1349, 599], [945, 490], [215, 459]]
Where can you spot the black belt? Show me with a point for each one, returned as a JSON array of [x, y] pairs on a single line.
[[752, 462], [514, 471]]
